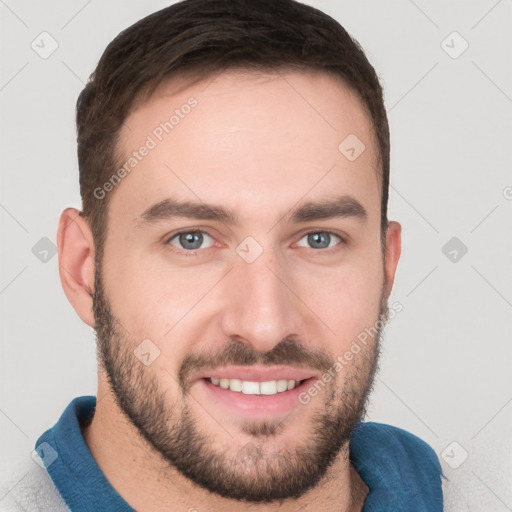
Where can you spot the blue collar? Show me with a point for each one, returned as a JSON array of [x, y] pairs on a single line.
[[401, 471]]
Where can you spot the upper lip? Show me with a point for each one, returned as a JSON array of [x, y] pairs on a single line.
[[257, 373]]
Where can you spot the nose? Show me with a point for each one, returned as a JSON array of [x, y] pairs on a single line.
[[261, 306]]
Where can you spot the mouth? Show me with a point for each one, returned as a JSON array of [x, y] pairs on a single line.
[[248, 387], [251, 393]]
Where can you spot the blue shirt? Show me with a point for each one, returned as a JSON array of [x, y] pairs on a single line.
[[401, 471]]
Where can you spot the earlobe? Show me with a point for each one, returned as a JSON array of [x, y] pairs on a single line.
[[393, 250], [76, 262]]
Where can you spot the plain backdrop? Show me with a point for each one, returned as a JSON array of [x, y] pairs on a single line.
[[446, 362]]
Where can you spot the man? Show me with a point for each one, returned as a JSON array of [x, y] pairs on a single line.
[[234, 256]]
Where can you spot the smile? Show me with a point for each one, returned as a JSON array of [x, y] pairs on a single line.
[[271, 387]]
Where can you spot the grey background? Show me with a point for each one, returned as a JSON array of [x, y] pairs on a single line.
[[446, 364]]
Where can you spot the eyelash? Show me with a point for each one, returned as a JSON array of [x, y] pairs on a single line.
[[195, 252]]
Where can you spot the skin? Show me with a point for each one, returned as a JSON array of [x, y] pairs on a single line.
[[260, 145]]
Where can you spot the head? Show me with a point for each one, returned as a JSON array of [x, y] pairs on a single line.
[[234, 171]]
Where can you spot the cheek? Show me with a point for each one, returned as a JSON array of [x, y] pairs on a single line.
[[156, 301], [347, 299]]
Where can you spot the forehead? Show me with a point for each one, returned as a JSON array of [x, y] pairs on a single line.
[[248, 139]]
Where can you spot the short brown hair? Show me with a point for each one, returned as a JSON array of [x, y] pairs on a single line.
[[200, 38]]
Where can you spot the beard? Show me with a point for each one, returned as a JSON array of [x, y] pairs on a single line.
[[250, 473]]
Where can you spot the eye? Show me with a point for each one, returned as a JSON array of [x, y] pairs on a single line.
[[320, 239], [190, 240]]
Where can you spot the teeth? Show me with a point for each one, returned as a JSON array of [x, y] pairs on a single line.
[[268, 388], [250, 388], [247, 387], [236, 385], [282, 385]]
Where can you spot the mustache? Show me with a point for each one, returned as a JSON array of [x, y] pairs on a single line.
[[286, 352]]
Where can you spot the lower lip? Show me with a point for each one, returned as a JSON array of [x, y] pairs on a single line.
[[254, 406]]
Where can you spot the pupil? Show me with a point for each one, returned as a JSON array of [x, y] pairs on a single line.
[[188, 238], [319, 240]]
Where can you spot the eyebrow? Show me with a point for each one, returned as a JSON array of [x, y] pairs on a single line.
[[340, 207]]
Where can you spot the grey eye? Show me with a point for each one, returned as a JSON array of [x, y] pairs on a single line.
[[190, 240], [320, 239]]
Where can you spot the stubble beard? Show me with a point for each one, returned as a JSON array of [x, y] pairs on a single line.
[[247, 473]]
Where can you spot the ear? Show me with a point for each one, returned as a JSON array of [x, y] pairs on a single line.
[[76, 262], [393, 250]]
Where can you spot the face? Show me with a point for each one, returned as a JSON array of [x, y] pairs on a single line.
[[243, 258]]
